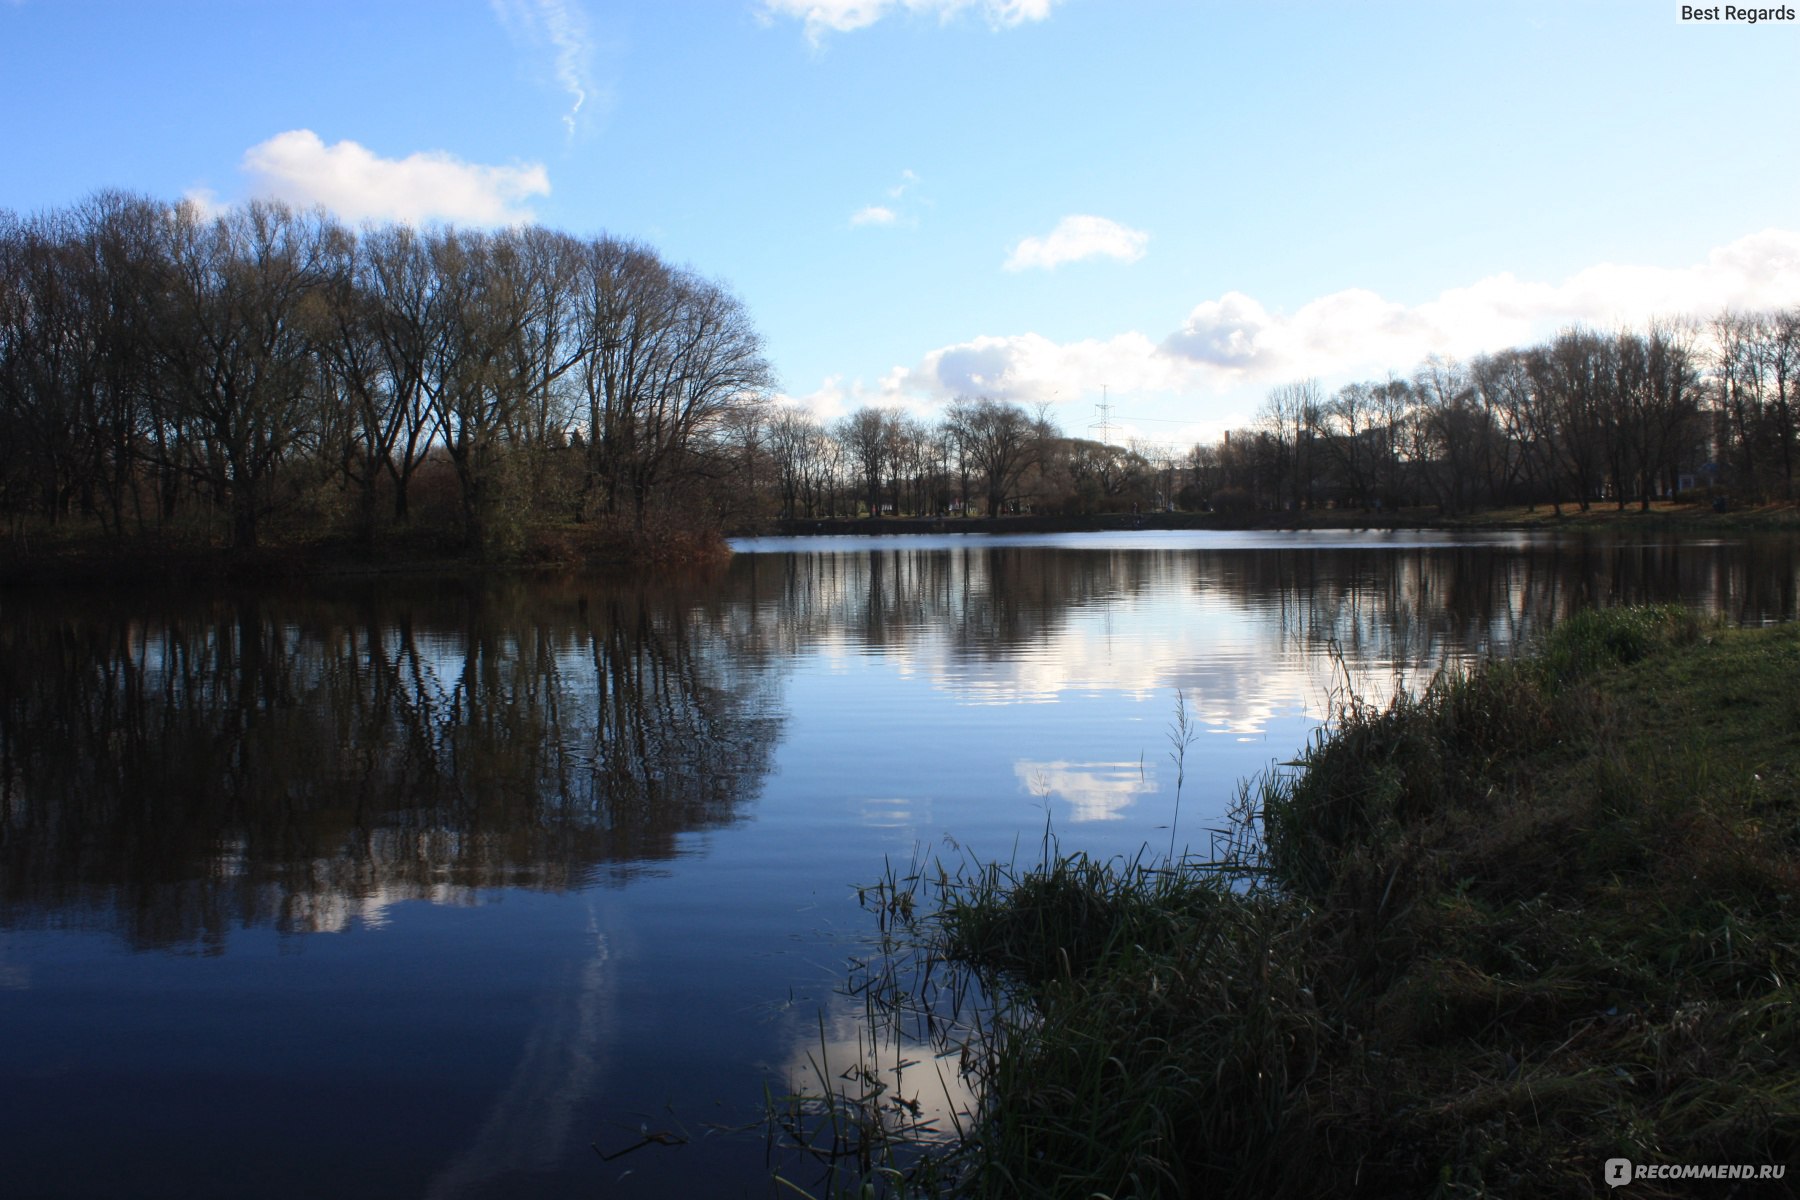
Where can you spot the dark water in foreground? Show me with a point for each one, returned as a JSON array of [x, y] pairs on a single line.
[[428, 889]]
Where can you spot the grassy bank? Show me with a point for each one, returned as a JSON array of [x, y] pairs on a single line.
[[1483, 940], [1738, 517]]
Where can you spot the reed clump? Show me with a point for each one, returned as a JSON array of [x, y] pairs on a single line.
[[1476, 941]]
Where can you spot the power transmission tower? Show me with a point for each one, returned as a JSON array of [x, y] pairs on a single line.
[[1104, 424]]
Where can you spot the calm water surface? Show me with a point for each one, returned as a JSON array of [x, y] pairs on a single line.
[[433, 889]]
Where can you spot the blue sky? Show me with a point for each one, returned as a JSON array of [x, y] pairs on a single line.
[[1184, 203]]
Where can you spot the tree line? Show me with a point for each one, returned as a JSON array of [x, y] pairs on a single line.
[[1585, 417], [982, 457], [1588, 416], [163, 368], [166, 370]]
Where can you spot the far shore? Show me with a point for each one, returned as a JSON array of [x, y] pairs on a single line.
[[1660, 515]]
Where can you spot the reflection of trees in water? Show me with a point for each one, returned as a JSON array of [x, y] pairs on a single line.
[[1391, 603], [987, 602], [1418, 606], [302, 761], [256, 759]]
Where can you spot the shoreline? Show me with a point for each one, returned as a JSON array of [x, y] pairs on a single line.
[[92, 559], [1662, 515]]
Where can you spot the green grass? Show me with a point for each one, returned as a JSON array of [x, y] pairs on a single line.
[[1741, 516], [1545, 914]]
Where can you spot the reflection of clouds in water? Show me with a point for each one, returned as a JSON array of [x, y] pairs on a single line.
[[338, 895], [1235, 681], [992, 623], [847, 1057], [1130, 649], [1094, 791], [889, 812], [1246, 632], [527, 1129], [1238, 677], [332, 911]]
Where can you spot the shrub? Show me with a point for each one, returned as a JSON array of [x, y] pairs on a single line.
[[1232, 500]]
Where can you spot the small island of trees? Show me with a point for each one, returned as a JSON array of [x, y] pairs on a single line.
[[166, 373]]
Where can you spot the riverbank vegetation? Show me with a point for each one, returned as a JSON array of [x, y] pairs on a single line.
[[173, 380], [1475, 942]]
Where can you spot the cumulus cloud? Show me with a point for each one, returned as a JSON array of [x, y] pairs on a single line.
[[1231, 347], [842, 16], [1030, 368], [205, 201], [1358, 329], [875, 214], [837, 396], [358, 184], [1075, 238], [1222, 332], [562, 26]]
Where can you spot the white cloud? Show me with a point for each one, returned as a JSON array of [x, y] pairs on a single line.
[[563, 25], [1216, 365], [1360, 330], [842, 16], [358, 184], [205, 201], [1030, 368], [893, 212], [836, 397], [1078, 237]]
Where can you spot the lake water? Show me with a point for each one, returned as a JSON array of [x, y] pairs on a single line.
[[450, 889]]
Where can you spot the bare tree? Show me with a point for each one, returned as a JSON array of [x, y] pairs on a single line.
[[473, 408], [792, 439], [1349, 440], [866, 436], [667, 356], [1738, 377], [402, 303], [46, 362], [234, 347], [998, 441], [1292, 414], [1503, 383], [1574, 379], [1455, 435]]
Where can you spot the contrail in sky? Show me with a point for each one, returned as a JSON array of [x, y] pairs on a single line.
[[564, 25]]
